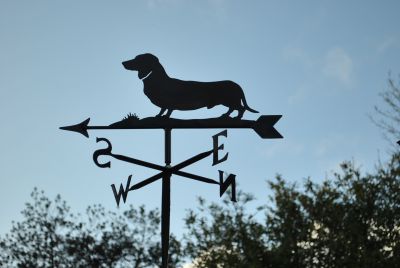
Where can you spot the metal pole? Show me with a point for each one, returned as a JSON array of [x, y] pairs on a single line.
[[166, 201]]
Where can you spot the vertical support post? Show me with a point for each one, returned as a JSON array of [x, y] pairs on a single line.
[[166, 201], [167, 146]]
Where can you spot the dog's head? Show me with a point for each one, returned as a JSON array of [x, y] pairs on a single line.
[[144, 64]]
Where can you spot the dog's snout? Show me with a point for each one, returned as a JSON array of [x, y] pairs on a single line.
[[130, 65]]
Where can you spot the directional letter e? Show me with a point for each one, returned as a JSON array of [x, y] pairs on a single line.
[[220, 147]]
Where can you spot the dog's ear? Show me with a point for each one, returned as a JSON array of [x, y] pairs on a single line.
[[148, 63], [151, 60]]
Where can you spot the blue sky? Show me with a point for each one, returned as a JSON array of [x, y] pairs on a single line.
[[321, 64]]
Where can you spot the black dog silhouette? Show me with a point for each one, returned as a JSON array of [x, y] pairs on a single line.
[[174, 94]]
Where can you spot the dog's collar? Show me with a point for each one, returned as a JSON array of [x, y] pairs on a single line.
[[147, 76]]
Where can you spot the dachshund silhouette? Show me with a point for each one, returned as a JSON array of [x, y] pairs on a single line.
[[173, 94]]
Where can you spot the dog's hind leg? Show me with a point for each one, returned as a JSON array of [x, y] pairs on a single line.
[[161, 112], [240, 113], [169, 112], [227, 113]]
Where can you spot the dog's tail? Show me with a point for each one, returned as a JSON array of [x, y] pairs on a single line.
[[246, 106]]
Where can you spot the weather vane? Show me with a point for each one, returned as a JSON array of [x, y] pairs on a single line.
[[173, 94]]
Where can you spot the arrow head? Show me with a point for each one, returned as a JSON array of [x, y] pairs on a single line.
[[80, 128], [264, 127]]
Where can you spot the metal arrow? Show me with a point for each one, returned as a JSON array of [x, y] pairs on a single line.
[[263, 126]]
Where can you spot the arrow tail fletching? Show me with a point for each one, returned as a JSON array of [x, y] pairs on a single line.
[[264, 126]]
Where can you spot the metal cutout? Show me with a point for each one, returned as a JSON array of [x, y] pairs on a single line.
[[173, 94]]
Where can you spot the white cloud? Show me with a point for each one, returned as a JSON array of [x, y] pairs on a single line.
[[334, 144], [155, 3], [388, 43], [291, 53], [316, 71], [299, 95], [325, 147], [217, 2], [290, 147], [330, 145], [219, 8], [338, 65]]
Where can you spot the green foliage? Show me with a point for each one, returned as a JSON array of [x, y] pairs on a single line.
[[51, 236], [225, 236], [388, 117], [36, 241], [348, 221], [351, 221]]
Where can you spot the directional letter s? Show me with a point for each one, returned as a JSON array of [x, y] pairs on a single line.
[[223, 185], [105, 151]]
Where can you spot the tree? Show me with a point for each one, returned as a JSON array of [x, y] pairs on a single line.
[[225, 235], [36, 241], [51, 236], [350, 220], [388, 118]]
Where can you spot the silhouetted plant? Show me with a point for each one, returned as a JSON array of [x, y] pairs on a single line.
[[225, 235], [131, 116], [388, 117], [51, 236], [37, 241], [351, 220]]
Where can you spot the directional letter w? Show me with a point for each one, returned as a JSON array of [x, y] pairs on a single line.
[[223, 185], [122, 192]]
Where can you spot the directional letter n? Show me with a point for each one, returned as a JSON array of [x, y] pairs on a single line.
[[223, 185]]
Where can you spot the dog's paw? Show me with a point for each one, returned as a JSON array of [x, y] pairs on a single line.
[[226, 117]]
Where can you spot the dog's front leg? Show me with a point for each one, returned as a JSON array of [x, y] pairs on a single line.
[[161, 112]]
